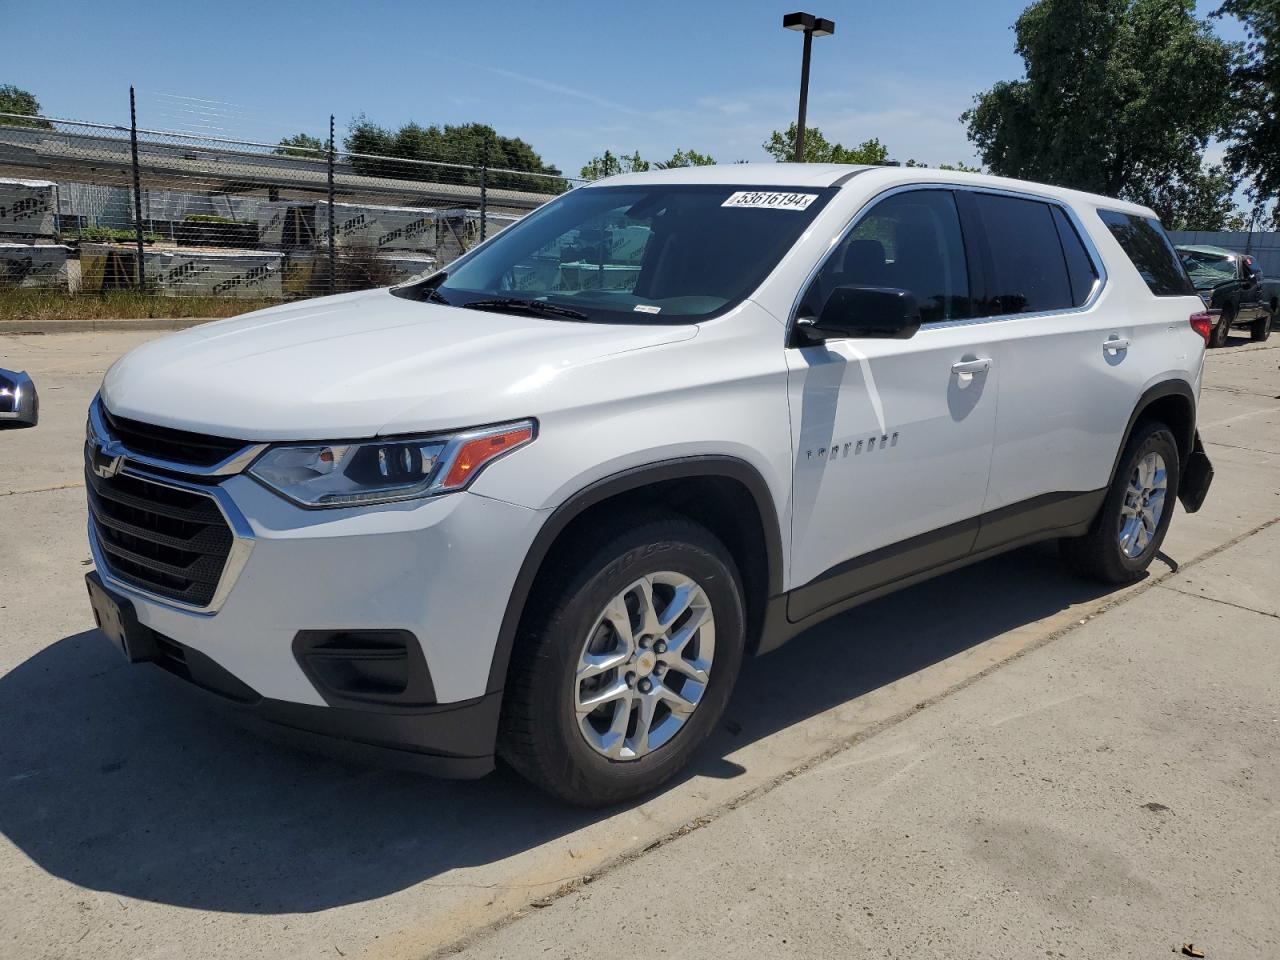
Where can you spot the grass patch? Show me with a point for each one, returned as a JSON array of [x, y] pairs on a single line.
[[17, 303]]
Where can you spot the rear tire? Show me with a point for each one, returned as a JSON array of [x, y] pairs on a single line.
[[1261, 328], [1222, 329], [1104, 553], [651, 714]]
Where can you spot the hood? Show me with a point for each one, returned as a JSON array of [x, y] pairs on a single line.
[[359, 365]]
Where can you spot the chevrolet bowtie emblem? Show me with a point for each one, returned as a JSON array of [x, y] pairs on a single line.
[[103, 461]]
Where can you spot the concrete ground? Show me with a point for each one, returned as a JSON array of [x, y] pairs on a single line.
[[1003, 762]]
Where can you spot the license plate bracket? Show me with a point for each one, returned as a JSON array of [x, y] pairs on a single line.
[[118, 621]]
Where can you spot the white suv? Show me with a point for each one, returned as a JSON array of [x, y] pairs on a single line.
[[541, 504]]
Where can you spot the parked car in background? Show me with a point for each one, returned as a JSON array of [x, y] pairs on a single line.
[[19, 402], [1270, 290], [1234, 290], [542, 503]]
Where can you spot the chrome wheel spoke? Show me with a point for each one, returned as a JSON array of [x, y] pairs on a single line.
[[677, 702], [644, 724], [680, 639], [1141, 539], [696, 671], [594, 664], [685, 594], [618, 617], [643, 592], [614, 691], [615, 738], [1128, 532]]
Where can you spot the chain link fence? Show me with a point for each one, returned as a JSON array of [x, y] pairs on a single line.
[[91, 208]]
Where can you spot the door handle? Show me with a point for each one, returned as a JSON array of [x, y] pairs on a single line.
[[965, 369], [1116, 344]]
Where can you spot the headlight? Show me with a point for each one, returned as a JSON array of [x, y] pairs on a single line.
[[383, 471]]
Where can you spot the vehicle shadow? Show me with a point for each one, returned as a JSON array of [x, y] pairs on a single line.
[[120, 779]]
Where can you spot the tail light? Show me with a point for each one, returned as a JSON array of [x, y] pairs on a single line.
[[1202, 323]]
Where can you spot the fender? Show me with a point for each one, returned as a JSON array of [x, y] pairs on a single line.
[[1165, 388], [682, 468]]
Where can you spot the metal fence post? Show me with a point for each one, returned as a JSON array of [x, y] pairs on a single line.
[[140, 272], [333, 252], [484, 191]]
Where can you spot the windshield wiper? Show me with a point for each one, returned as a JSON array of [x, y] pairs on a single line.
[[435, 296], [502, 304]]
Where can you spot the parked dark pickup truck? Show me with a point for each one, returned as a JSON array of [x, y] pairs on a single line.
[[1233, 288]]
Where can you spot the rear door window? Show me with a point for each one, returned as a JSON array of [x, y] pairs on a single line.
[[1027, 271], [1147, 245]]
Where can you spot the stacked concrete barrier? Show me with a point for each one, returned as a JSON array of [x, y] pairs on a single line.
[[290, 225], [28, 208], [42, 266], [241, 274]]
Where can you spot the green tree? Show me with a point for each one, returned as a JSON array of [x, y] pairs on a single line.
[[469, 144], [301, 145], [609, 164], [1255, 87], [817, 149], [959, 166], [687, 158], [1203, 200], [15, 100], [1120, 97]]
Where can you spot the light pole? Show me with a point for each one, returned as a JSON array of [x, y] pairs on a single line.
[[812, 27]]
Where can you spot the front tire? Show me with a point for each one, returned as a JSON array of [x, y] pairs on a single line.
[[1130, 527], [627, 662], [1222, 329]]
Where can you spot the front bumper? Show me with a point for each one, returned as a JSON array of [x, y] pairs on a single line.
[[438, 571], [453, 740]]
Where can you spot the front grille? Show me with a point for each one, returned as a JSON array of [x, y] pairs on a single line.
[[165, 443], [167, 541]]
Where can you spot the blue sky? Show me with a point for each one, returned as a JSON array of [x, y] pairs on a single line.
[[572, 78]]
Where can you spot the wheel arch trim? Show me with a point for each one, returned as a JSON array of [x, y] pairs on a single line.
[[1159, 391], [681, 468]]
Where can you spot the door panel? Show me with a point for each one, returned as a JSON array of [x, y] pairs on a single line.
[[1065, 400], [890, 444], [1066, 360]]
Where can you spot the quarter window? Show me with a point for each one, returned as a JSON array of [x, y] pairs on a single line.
[[910, 241], [1028, 271], [1147, 245]]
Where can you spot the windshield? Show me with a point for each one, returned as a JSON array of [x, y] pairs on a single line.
[[642, 254], [1207, 270]]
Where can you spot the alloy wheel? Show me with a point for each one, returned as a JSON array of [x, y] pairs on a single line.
[[1143, 506], [644, 666]]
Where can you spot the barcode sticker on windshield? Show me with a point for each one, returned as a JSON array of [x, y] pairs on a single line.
[[756, 199], [646, 308]]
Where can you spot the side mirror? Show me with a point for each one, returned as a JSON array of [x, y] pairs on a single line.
[[19, 403], [884, 313]]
